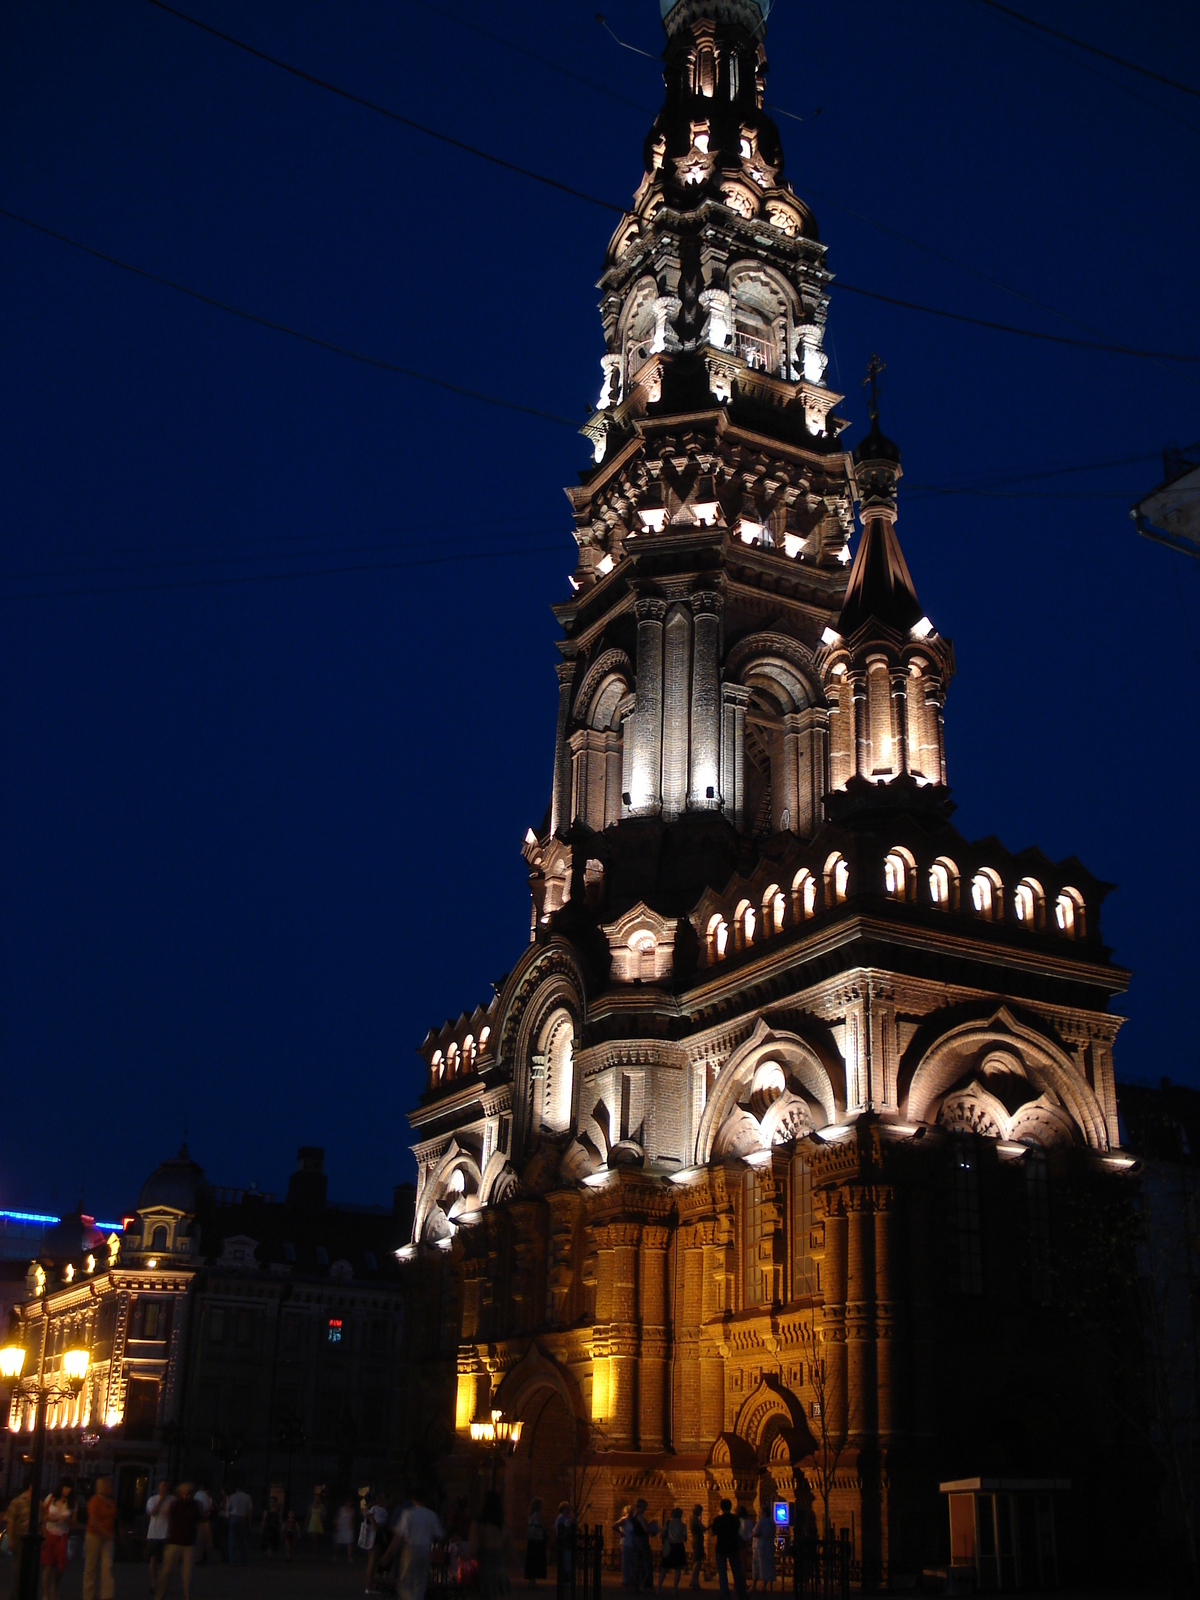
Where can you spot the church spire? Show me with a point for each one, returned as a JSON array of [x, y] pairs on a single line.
[[880, 586], [885, 668]]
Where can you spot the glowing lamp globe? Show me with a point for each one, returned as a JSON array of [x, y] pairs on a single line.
[[75, 1365], [12, 1359]]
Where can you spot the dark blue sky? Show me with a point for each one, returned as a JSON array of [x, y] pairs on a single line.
[[258, 835]]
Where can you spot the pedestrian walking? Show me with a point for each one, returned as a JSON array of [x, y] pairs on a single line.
[[157, 1508], [674, 1550], [204, 1510], [644, 1529], [564, 1538], [727, 1530], [764, 1550], [418, 1527], [535, 1545], [183, 1519], [98, 1542], [241, 1509], [291, 1535], [490, 1548], [696, 1531], [269, 1533], [343, 1531], [56, 1518], [626, 1532], [316, 1525]]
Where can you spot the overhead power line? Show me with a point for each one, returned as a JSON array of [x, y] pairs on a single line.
[[386, 111], [609, 205], [1092, 49], [238, 578], [1008, 327], [283, 327]]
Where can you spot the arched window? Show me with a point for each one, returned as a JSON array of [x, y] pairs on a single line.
[[718, 937], [468, 1053], [943, 884], [733, 75], [645, 951], [987, 895], [774, 908], [837, 879], [158, 1239], [804, 894], [452, 1061], [554, 1063], [743, 922], [484, 1035], [437, 1067], [1069, 914], [1029, 903], [899, 873]]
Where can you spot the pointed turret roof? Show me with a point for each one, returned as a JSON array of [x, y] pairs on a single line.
[[880, 585]]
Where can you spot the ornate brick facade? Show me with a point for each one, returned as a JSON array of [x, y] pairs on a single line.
[[753, 1156]]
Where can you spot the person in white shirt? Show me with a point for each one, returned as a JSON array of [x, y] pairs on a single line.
[[241, 1509], [157, 1508], [418, 1528], [204, 1526]]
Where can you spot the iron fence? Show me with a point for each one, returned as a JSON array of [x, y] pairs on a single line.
[[580, 1557]]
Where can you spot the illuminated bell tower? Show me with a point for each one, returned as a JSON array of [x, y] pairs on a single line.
[[713, 526]]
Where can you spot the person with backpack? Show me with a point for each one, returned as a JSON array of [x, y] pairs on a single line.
[[674, 1547]]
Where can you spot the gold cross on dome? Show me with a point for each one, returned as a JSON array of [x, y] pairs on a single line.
[[874, 368]]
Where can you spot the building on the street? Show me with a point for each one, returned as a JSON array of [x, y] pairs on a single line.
[[232, 1334], [773, 1166]]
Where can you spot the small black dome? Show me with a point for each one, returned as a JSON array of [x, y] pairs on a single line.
[[177, 1182], [70, 1238], [876, 447]]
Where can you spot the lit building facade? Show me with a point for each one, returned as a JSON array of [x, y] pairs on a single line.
[[746, 1181], [233, 1336]]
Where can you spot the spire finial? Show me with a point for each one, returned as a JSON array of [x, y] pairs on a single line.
[[875, 368]]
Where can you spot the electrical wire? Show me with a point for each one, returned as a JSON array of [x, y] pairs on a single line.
[[283, 327], [625, 45], [1025, 333], [532, 55], [910, 305], [280, 577], [385, 111], [1092, 49]]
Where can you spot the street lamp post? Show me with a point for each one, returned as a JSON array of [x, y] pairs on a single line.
[[74, 1371], [499, 1434]]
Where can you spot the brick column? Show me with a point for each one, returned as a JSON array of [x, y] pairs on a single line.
[[645, 766], [652, 1365], [734, 700], [560, 801], [899, 722], [704, 786], [677, 662], [862, 730]]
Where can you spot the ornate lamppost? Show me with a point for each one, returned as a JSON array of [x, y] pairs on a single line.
[[500, 1434], [69, 1381]]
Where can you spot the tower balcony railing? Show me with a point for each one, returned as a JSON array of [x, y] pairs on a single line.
[[756, 352]]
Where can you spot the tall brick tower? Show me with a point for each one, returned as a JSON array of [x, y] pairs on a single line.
[[756, 1147]]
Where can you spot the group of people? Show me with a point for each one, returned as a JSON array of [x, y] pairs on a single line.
[[58, 1516], [683, 1545]]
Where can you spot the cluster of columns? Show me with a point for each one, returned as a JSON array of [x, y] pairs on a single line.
[[672, 740], [885, 721]]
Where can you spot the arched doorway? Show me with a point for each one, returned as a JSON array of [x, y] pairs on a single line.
[[541, 1465]]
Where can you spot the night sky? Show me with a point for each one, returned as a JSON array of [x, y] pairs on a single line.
[[269, 751]]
